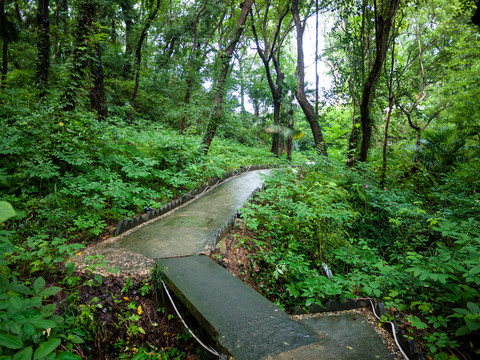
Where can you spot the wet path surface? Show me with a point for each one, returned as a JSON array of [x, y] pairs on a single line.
[[189, 229], [244, 324]]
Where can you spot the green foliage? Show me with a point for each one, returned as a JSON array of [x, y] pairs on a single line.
[[418, 252], [443, 148], [28, 326]]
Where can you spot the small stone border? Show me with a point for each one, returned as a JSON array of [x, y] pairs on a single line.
[[130, 223]]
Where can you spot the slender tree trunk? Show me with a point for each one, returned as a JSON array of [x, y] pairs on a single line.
[[98, 101], [383, 25], [276, 88], [307, 108], [128, 14], [138, 57], [3, 29], [43, 47], [55, 37], [354, 139], [64, 17], [216, 113], [390, 109], [190, 71], [290, 135]]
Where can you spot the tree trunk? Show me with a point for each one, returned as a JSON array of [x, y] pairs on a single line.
[[353, 142], [190, 71], [81, 51], [290, 135], [43, 47], [383, 25], [128, 14], [276, 89], [55, 38], [307, 108], [138, 57], [3, 29], [97, 92], [216, 113]]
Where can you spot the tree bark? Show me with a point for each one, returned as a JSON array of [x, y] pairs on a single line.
[[138, 57], [81, 50], [307, 108], [97, 92], [128, 14], [216, 113], [268, 54], [190, 71], [3, 29], [43, 47], [383, 25], [389, 114]]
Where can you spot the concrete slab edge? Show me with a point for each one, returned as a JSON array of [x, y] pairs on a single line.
[[149, 213], [409, 346]]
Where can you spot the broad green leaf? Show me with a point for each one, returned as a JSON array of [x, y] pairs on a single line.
[[50, 291], [6, 211], [38, 284], [25, 354], [47, 310], [462, 311], [473, 325], [46, 348], [417, 323], [43, 323], [464, 330], [15, 304], [10, 342], [67, 355], [473, 307]]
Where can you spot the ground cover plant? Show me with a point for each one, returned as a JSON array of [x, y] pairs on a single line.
[[70, 181], [416, 249]]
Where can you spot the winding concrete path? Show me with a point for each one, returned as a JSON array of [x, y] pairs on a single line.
[[244, 324]]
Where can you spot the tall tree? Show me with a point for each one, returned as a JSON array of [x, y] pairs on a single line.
[[384, 15], [389, 112], [225, 57], [43, 46], [3, 29], [191, 59], [82, 49], [307, 108], [98, 101], [129, 17], [270, 52], [61, 15], [138, 56]]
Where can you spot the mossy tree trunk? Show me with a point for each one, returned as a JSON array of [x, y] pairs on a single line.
[[82, 49]]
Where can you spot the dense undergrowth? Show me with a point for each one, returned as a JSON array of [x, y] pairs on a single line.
[[66, 179], [414, 244]]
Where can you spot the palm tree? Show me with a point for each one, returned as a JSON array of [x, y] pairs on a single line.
[[442, 148]]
